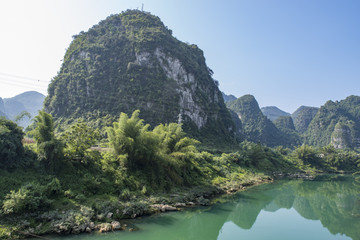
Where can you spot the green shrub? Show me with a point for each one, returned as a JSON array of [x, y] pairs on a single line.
[[28, 198]]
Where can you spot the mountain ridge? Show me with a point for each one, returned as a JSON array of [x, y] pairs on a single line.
[[273, 112], [30, 101]]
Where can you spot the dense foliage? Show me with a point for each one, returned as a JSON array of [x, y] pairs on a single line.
[[79, 137], [345, 112], [72, 184], [131, 61], [12, 152], [255, 126], [91, 161], [286, 125], [302, 117], [49, 148]]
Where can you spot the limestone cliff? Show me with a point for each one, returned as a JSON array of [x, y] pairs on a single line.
[[131, 61], [341, 136], [336, 123]]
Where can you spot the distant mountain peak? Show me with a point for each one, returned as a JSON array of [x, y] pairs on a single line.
[[273, 112], [228, 98], [257, 127], [30, 102]]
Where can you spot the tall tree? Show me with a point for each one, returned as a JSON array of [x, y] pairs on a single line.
[[131, 137], [78, 138], [49, 148], [11, 148]]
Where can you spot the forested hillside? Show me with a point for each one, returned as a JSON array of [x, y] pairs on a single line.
[[119, 136], [131, 61], [337, 123], [303, 116], [255, 126]]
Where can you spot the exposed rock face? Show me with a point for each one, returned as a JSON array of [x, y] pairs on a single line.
[[332, 123], [185, 81], [303, 116], [131, 61], [341, 136], [273, 112]]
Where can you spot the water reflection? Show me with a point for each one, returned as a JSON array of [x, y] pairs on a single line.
[[282, 210], [335, 203]]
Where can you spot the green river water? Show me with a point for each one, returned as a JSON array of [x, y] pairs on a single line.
[[325, 208]]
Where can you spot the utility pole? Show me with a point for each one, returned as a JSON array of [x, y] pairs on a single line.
[[142, 7]]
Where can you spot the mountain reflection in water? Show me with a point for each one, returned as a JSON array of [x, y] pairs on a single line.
[[325, 208]]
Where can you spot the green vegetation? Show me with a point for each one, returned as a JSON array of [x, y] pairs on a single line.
[[302, 117], [335, 123], [256, 127], [12, 152], [49, 148], [86, 161], [68, 185], [131, 61], [344, 114], [286, 125]]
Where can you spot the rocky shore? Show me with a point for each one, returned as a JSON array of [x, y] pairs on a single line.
[[112, 216]]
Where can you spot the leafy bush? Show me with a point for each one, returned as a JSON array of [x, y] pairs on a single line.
[[78, 138], [49, 148], [12, 152], [28, 198]]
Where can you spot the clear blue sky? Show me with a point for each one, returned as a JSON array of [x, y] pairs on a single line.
[[286, 53]]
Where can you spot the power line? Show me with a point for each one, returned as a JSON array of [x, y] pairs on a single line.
[[28, 78], [19, 81], [23, 85]]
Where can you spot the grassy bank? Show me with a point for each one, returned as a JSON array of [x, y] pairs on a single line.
[[58, 184]]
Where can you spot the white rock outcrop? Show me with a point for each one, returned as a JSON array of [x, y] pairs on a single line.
[[186, 85]]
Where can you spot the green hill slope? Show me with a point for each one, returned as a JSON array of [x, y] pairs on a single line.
[[337, 120], [255, 126], [131, 61], [303, 116]]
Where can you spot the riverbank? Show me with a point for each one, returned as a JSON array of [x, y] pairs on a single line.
[[104, 213], [99, 193]]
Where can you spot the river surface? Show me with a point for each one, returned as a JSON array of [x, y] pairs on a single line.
[[325, 208]]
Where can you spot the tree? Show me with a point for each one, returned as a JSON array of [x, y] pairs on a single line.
[[78, 138], [169, 135], [308, 155], [21, 116], [129, 136], [49, 148], [11, 148]]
